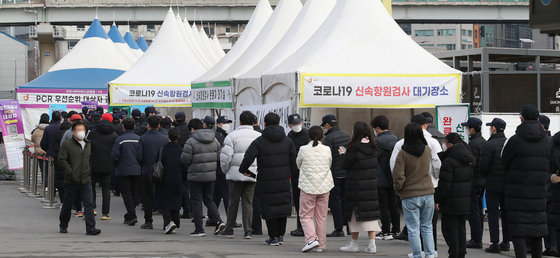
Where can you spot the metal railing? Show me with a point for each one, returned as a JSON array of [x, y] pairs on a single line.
[[38, 178]]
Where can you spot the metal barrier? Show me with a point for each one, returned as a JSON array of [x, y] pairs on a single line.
[[35, 185]]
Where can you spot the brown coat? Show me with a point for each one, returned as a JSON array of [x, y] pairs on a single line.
[[411, 175], [36, 137]]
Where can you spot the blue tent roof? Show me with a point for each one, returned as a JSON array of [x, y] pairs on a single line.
[[115, 35], [130, 41], [96, 30], [143, 44], [84, 78]]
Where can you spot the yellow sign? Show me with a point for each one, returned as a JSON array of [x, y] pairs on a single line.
[[387, 4]]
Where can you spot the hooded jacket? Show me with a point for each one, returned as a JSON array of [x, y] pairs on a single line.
[[235, 145], [334, 138], [476, 141], [276, 159], [74, 161], [385, 142], [554, 216], [36, 137], [102, 140], [526, 159], [453, 193], [200, 155], [125, 154], [184, 133], [490, 163], [411, 176]]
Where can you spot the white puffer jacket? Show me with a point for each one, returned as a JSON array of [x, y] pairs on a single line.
[[235, 145], [314, 165]]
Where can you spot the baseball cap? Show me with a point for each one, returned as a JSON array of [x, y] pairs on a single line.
[[150, 110], [136, 113], [116, 109], [472, 122], [99, 109], [294, 119], [419, 119], [180, 116], [95, 116], [498, 123], [223, 120], [544, 120], [107, 117], [209, 121], [75, 117], [166, 121], [328, 119], [530, 112], [85, 110]]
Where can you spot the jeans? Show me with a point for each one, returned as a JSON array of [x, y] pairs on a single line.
[[105, 183], [127, 186], [257, 213], [520, 246], [455, 234], [314, 206], [244, 191], [168, 216], [418, 214], [335, 202], [82, 193], [276, 227], [389, 210], [496, 205], [203, 192], [296, 199], [476, 218], [147, 194]]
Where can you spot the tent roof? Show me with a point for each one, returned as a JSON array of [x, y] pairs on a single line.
[[115, 35], [83, 78], [130, 41], [284, 15], [167, 61], [142, 43], [95, 30], [260, 16]]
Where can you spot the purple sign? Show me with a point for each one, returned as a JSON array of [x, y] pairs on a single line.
[[91, 105], [12, 132]]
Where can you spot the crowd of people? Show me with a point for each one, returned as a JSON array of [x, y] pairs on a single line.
[[166, 165]]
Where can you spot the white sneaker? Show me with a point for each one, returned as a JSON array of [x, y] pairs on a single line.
[[170, 227], [352, 247], [317, 250], [309, 246], [412, 255], [371, 249]]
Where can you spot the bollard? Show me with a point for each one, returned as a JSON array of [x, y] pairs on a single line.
[[25, 181], [44, 178], [50, 184], [34, 175]]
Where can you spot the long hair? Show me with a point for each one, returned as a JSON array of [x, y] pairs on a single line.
[[412, 133], [316, 134], [361, 130]]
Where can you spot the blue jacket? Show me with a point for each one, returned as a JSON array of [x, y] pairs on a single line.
[[48, 142], [150, 144], [124, 153]]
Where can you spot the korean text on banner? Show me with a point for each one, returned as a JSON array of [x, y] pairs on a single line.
[[121, 108], [144, 94], [42, 98], [379, 90], [12, 133], [282, 109], [57, 107], [450, 117], [91, 105], [212, 95]]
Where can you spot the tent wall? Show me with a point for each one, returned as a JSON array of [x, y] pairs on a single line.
[[31, 118]]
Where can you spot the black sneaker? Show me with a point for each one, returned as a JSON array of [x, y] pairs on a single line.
[[198, 233], [280, 240], [132, 222], [494, 249], [550, 252], [63, 230], [272, 242], [403, 235], [504, 246], [337, 233], [94, 232], [219, 227], [257, 232], [147, 225], [297, 233], [211, 223], [474, 245], [227, 233], [248, 235]]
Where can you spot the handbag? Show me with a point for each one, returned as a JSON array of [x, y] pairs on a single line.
[[156, 169]]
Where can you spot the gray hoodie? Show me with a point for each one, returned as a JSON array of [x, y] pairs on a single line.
[[200, 155]]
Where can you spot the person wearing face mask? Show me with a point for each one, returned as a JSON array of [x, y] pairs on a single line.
[[73, 158], [299, 137]]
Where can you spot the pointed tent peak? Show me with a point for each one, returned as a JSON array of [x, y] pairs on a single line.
[[130, 41], [114, 23], [143, 44], [170, 9], [178, 16], [115, 35], [96, 30]]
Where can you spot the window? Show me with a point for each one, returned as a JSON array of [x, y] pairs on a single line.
[[424, 33], [470, 33], [427, 45], [463, 46], [133, 27], [151, 27], [464, 32], [228, 29], [469, 46], [72, 43], [446, 32], [81, 27], [448, 46]]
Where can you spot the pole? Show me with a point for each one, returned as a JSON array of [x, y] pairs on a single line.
[[34, 174], [50, 184]]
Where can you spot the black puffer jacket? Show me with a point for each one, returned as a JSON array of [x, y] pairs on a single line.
[[453, 193], [299, 139], [526, 158], [184, 133], [476, 141], [276, 158], [554, 217], [490, 163], [334, 138], [102, 140], [360, 193], [385, 142]]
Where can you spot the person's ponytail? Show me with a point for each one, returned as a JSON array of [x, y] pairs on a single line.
[[315, 134], [315, 142]]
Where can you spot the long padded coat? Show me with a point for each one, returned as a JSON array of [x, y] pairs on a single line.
[[453, 193]]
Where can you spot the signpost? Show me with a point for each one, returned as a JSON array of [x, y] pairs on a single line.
[[12, 133], [450, 117]]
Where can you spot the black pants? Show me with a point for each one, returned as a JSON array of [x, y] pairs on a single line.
[[276, 227], [520, 246], [221, 192], [455, 234], [186, 198], [104, 181], [169, 215], [295, 199], [147, 196], [82, 193], [389, 210], [127, 186], [496, 205], [335, 202], [203, 192], [476, 218], [114, 183], [257, 213]]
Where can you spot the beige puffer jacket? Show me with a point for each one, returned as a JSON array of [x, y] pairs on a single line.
[[314, 165], [36, 137]]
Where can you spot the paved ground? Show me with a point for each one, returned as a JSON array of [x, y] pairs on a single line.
[[29, 230]]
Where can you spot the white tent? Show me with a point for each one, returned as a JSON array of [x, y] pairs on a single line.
[[187, 37], [121, 45], [132, 44], [307, 22], [360, 57], [163, 75], [218, 46]]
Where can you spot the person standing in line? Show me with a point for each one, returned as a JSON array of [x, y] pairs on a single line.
[[526, 159], [74, 158], [240, 186], [149, 145], [361, 206], [200, 156], [553, 212], [550, 241], [276, 160], [413, 183], [127, 169], [102, 140], [490, 166], [334, 139], [315, 182], [58, 172], [385, 142], [476, 218], [453, 193], [299, 137], [68, 135], [436, 134], [48, 141], [184, 134], [170, 188], [37, 134], [136, 114], [257, 209], [221, 189]]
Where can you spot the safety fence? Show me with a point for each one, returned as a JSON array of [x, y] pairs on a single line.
[[38, 178]]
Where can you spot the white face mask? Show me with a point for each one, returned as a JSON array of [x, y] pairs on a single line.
[[81, 135], [375, 132], [297, 128], [226, 127]]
